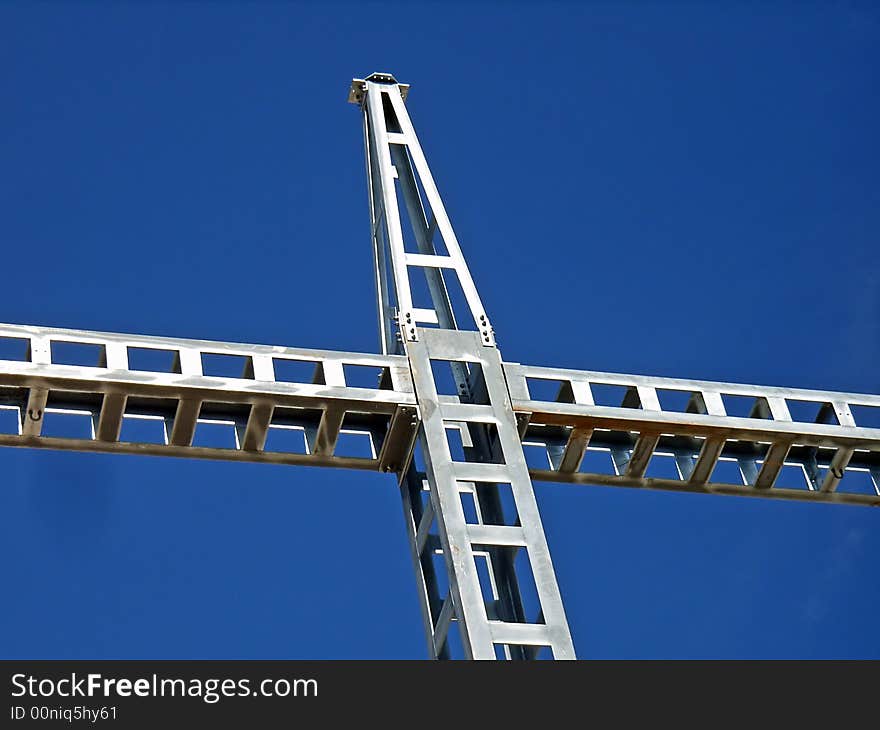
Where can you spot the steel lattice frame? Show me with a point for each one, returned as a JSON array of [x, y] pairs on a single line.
[[456, 443]]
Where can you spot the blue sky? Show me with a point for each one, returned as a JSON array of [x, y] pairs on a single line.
[[687, 190]]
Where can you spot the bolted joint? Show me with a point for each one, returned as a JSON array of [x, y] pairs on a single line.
[[407, 323], [487, 333]]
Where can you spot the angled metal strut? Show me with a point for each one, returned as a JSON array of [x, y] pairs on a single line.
[[442, 411]]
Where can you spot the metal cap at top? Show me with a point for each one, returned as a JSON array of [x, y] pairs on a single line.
[[359, 86]]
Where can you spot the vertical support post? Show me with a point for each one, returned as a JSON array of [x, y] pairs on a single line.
[[497, 582], [514, 607]]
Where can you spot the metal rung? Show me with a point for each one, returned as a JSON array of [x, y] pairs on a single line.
[[476, 472], [109, 422], [467, 413], [641, 454], [430, 261], [501, 535], [184, 424], [706, 461], [34, 410], [322, 441], [425, 316], [836, 468], [520, 634], [575, 447], [772, 465], [257, 428]]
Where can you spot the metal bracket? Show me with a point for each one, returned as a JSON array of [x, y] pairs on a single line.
[[357, 92], [408, 326], [487, 333]]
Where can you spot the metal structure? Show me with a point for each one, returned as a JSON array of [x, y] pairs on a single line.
[[443, 412]]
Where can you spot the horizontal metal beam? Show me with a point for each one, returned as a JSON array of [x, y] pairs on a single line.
[[48, 372], [695, 435], [674, 485], [69, 378], [581, 381]]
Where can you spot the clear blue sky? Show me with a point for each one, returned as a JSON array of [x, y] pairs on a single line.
[[687, 190]]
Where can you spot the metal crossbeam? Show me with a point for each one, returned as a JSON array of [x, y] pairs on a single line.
[[831, 441], [100, 393], [73, 389], [460, 445]]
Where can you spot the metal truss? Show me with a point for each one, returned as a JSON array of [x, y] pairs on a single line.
[[476, 508], [92, 391], [75, 390], [699, 436], [480, 513], [417, 254], [464, 432]]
